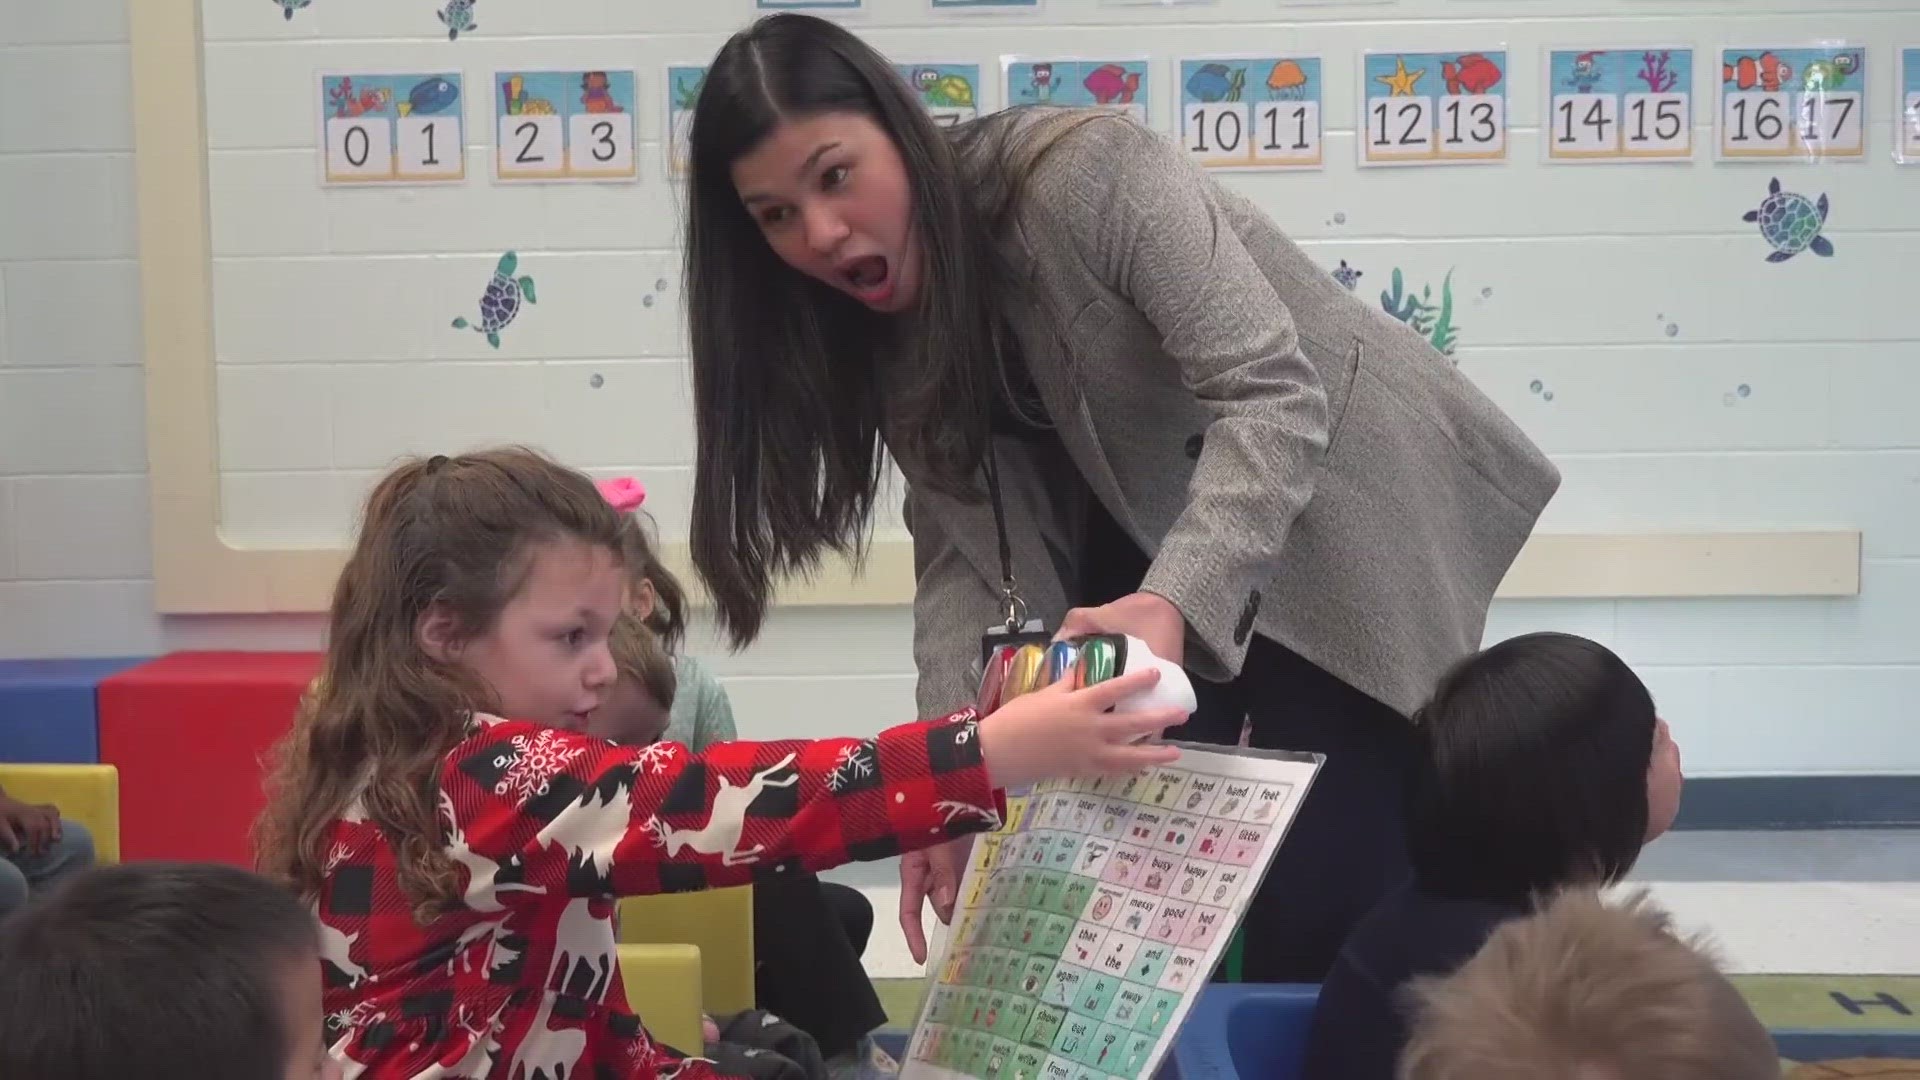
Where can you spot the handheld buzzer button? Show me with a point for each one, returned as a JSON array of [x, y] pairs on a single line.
[[993, 681], [1025, 672], [1061, 657]]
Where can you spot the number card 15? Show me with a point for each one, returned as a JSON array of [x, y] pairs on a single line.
[[392, 128], [565, 125], [1787, 103], [1619, 104], [1434, 108], [1252, 112]]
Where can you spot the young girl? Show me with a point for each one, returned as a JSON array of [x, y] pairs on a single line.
[[464, 854], [1539, 764]]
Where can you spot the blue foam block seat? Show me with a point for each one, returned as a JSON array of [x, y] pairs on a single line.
[[1253, 1030], [48, 710]]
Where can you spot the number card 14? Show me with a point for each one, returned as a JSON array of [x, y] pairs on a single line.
[[1252, 112], [392, 128], [1434, 108], [1619, 105], [565, 125]]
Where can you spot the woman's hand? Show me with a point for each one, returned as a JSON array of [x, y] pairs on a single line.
[[1067, 732], [1150, 617], [932, 874]]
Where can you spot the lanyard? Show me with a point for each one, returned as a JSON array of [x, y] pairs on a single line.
[[1012, 606]]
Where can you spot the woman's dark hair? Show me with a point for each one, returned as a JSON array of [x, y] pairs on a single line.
[[1530, 770], [788, 373]]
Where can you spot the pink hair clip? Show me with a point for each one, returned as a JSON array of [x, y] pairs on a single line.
[[624, 492]]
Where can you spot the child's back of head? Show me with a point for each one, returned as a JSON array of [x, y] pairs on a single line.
[[1539, 762], [161, 970], [1586, 991]]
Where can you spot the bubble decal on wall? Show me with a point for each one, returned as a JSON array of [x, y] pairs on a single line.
[[597, 380]]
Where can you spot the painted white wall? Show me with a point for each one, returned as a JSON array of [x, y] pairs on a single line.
[[1568, 276]]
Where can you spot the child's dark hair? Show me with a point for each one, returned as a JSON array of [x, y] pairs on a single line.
[[453, 532], [641, 656], [669, 616], [153, 969], [1530, 770]]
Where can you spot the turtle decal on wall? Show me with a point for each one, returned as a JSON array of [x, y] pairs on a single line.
[[501, 300], [1791, 223]]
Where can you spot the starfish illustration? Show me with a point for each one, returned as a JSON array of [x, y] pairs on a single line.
[[1402, 81]]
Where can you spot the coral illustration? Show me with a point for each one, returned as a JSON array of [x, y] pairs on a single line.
[[1431, 320], [1654, 71]]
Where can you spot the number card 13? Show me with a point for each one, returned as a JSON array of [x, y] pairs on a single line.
[[1433, 108], [565, 125]]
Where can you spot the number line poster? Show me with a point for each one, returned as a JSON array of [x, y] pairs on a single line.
[[950, 91], [1907, 149], [1252, 112], [1633, 104], [1434, 108], [564, 125], [1792, 103], [392, 128], [1122, 84], [1091, 920]]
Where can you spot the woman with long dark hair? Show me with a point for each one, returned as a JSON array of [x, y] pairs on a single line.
[[1122, 399]]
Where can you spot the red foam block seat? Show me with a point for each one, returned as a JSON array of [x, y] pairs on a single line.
[[190, 733]]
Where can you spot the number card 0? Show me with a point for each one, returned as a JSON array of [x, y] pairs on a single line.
[[683, 91], [392, 128], [1906, 149], [1252, 112], [1619, 104], [1434, 108], [564, 125], [1089, 922], [1787, 103], [1121, 85], [951, 92]]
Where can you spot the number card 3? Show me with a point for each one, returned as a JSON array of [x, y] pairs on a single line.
[[1785, 103], [565, 125], [1252, 112], [1619, 104], [1434, 108], [951, 92], [1121, 85], [392, 128], [1906, 148]]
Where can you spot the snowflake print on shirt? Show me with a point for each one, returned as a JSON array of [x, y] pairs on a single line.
[[856, 763], [533, 761]]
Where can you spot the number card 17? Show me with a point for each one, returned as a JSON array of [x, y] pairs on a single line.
[[1434, 108], [565, 125], [1252, 112], [1619, 105], [392, 128], [1793, 103]]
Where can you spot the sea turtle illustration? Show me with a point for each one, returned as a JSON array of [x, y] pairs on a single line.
[[458, 16], [1791, 223], [501, 302], [288, 7]]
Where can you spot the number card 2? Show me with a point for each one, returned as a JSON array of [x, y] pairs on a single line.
[[565, 125], [1252, 112], [683, 91], [1121, 85], [1619, 104], [951, 92], [1906, 148], [392, 128], [1434, 108], [1785, 103]]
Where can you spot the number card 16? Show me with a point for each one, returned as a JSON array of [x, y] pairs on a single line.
[[1788, 103], [1252, 112], [1434, 108], [392, 128], [565, 125], [1619, 104]]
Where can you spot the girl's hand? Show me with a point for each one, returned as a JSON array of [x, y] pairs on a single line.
[[1063, 732], [932, 874], [1148, 616]]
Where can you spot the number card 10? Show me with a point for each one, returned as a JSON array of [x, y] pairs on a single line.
[[565, 125], [1787, 103], [1620, 105], [1434, 108], [1252, 112], [392, 129]]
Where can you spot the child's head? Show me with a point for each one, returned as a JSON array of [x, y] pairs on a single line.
[[638, 705], [158, 969], [1538, 762], [480, 582], [1586, 991], [657, 595]]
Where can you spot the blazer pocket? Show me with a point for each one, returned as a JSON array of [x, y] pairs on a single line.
[[1337, 423]]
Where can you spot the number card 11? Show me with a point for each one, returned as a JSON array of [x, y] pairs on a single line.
[[1434, 108], [565, 125], [392, 129], [1787, 103], [1619, 105], [1252, 112]]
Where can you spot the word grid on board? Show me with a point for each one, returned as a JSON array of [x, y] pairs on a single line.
[[1090, 921]]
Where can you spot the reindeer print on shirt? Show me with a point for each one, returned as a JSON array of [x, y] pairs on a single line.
[[721, 836]]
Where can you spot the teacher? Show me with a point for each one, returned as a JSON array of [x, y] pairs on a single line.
[[1117, 392]]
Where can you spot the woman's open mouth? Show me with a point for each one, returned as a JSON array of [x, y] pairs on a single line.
[[868, 279]]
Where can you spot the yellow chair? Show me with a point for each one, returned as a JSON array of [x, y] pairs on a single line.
[[719, 922], [663, 988], [88, 794]]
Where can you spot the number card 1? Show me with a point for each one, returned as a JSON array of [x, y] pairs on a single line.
[[392, 128], [1787, 103], [951, 92], [564, 125], [683, 91], [1434, 108], [1619, 105], [1252, 112], [1121, 85], [1906, 148]]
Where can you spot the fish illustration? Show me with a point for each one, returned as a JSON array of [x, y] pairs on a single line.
[[1472, 74], [428, 97], [1112, 84], [1768, 72], [1287, 81], [1217, 82]]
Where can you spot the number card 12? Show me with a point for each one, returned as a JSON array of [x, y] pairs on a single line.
[[565, 125], [392, 128], [1787, 103], [1252, 112], [1434, 108], [1619, 105]]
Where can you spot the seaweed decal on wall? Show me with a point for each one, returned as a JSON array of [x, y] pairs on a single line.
[[288, 7], [1430, 319]]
